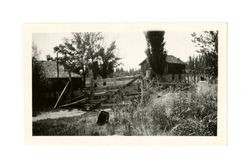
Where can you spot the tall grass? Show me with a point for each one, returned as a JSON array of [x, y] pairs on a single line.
[[182, 113]]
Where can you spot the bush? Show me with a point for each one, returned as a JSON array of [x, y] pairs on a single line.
[[39, 86]]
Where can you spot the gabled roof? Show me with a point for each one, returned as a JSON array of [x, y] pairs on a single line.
[[169, 59], [51, 70], [146, 59], [172, 59]]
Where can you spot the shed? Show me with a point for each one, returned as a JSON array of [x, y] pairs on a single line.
[[174, 69]]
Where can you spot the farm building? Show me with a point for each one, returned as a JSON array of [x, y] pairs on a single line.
[[174, 69], [55, 85], [50, 71]]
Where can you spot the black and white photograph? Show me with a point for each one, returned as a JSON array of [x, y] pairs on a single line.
[[125, 83], [147, 82]]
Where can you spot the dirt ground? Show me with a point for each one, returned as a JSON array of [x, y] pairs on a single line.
[[61, 113]]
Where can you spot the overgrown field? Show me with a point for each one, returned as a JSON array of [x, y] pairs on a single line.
[[170, 112]]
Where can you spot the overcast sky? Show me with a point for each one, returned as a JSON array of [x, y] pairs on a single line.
[[130, 45]]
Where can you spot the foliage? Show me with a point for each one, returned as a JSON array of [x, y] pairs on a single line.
[[67, 59], [130, 72], [108, 60], [93, 42], [196, 113], [39, 82], [85, 51], [49, 58], [207, 46], [155, 51], [79, 42]]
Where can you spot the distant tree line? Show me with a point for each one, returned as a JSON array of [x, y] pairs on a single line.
[[130, 72]]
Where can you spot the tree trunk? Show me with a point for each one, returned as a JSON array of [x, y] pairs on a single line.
[[57, 66], [91, 89], [94, 75], [83, 80]]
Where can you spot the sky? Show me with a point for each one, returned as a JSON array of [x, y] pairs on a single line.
[[130, 45]]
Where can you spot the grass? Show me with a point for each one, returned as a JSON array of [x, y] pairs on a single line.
[[182, 113], [79, 125], [168, 112]]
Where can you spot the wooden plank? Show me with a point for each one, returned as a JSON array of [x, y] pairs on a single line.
[[80, 97], [130, 82], [101, 93], [96, 101], [58, 100], [133, 94], [167, 83], [73, 103], [114, 104]]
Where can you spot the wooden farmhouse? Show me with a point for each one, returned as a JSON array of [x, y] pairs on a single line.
[[174, 70]]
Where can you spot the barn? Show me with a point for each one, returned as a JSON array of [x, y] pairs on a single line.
[[174, 70], [56, 84]]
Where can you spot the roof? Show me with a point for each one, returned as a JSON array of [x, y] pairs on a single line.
[[170, 59], [51, 70], [143, 61]]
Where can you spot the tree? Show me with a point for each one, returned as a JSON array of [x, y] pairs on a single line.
[[93, 45], [49, 58], [68, 59], [155, 51], [85, 52], [39, 82], [80, 44], [207, 46], [57, 50], [88, 46], [107, 60]]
